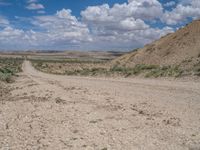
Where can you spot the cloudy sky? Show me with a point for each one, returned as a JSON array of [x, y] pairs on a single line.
[[90, 24]]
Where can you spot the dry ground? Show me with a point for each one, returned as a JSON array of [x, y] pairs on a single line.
[[63, 55], [60, 112]]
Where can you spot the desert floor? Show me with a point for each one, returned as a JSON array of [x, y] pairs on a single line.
[[56, 112]]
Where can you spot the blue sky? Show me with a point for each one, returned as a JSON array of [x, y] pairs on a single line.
[[90, 24]]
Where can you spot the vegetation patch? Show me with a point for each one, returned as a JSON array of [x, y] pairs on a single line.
[[127, 71], [149, 70], [167, 71], [197, 71], [85, 69], [9, 67], [67, 60], [87, 72]]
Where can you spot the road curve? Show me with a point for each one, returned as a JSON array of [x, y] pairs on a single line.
[[65, 112]]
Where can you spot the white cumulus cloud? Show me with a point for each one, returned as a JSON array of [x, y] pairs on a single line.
[[32, 1], [184, 10], [3, 21], [34, 6], [120, 27], [169, 4], [124, 24]]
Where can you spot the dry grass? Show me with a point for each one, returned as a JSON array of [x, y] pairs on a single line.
[[9, 67], [104, 69]]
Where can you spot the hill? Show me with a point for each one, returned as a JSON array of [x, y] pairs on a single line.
[[181, 48]]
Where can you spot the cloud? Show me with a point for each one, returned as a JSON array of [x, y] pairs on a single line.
[[3, 21], [34, 6], [131, 24], [41, 12], [3, 3], [32, 1], [6, 32], [120, 27], [124, 24], [139, 9], [170, 4], [184, 10], [56, 31], [62, 25], [10, 36]]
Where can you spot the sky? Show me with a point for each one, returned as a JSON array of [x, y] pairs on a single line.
[[90, 24]]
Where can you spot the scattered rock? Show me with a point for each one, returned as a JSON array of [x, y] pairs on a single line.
[[60, 101]]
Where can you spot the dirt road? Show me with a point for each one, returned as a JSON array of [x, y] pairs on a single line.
[[60, 112]]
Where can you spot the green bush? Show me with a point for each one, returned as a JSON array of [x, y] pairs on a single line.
[[138, 69], [144, 69], [197, 71], [117, 68], [7, 77], [167, 71], [9, 67]]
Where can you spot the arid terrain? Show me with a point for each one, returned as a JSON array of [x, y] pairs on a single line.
[[175, 48], [100, 75], [174, 55], [45, 111], [180, 49], [147, 99]]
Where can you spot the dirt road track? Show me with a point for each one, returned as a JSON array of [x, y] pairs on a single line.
[[60, 112]]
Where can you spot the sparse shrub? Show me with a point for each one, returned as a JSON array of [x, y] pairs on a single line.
[[166, 71], [148, 70], [84, 72], [5, 77], [97, 71], [144, 69], [68, 60], [117, 68], [197, 71], [70, 73], [9, 67]]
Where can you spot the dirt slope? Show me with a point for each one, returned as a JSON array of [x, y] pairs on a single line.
[[173, 49], [59, 112]]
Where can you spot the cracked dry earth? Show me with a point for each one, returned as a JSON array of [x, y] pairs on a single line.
[[55, 112]]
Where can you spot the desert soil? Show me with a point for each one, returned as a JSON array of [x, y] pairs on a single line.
[[56, 112]]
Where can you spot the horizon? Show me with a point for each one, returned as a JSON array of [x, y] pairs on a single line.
[[61, 51], [121, 25]]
